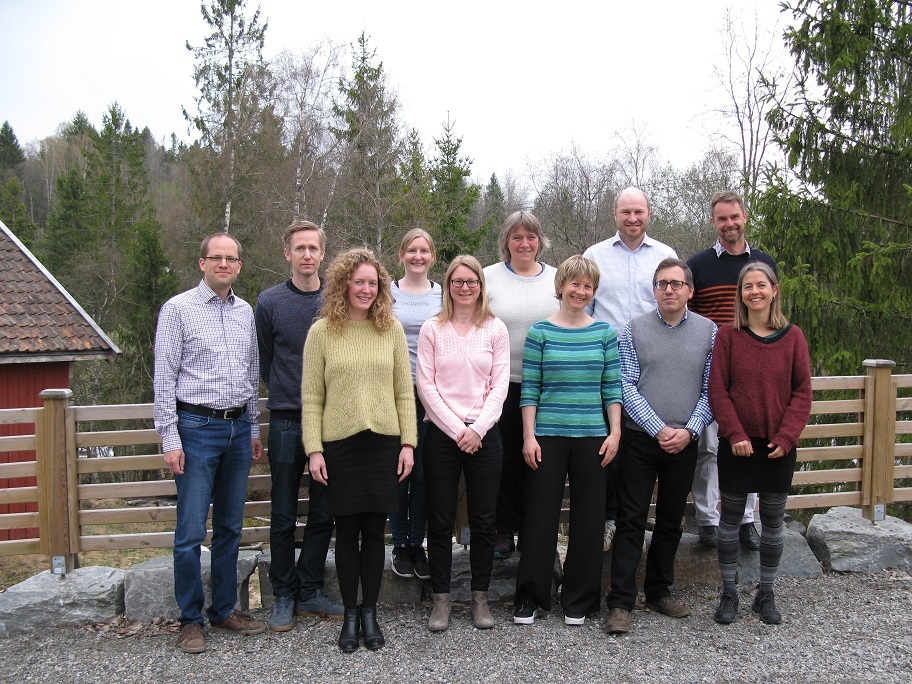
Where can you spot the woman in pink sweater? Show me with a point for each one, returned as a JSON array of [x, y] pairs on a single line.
[[760, 394], [463, 370]]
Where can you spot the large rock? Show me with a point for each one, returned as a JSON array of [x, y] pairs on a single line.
[[149, 586], [394, 589], [696, 564], [92, 594], [846, 542]]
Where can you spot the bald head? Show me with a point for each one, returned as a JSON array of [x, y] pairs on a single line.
[[631, 215]]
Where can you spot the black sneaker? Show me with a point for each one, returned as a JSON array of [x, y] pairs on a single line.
[[765, 605], [420, 562], [402, 562], [526, 612], [727, 611]]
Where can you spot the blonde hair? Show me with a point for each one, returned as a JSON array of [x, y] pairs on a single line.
[[414, 234], [482, 308], [521, 219], [576, 267], [335, 295], [298, 225], [777, 320]]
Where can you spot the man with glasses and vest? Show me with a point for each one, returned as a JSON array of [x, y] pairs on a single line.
[[665, 360], [206, 389]]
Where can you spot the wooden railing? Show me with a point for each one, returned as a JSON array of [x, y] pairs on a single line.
[[854, 444]]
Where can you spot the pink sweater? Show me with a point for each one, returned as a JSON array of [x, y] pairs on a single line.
[[463, 379]]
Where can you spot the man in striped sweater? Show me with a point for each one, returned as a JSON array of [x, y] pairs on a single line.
[[715, 272]]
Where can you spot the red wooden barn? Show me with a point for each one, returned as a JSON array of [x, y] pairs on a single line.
[[43, 330]]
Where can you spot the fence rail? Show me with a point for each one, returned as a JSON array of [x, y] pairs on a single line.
[[850, 445]]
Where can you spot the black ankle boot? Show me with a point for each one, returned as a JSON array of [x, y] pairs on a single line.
[[370, 630], [765, 605], [348, 639]]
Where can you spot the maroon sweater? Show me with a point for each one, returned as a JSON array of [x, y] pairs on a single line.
[[760, 388]]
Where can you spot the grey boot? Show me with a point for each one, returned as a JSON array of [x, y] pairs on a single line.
[[481, 614], [440, 613]]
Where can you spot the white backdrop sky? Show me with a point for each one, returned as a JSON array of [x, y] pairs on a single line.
[[521, 80]]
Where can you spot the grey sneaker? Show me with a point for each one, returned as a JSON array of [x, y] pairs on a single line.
[[319, 605], [282, 618]]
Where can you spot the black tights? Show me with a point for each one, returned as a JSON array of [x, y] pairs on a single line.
[[362, 562]]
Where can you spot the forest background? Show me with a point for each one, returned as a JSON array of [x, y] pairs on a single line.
[[819, 144]]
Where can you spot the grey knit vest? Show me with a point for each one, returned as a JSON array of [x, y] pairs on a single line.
[[671, 364]]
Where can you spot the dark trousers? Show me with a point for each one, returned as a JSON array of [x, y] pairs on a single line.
[[360, 562], [510, 495], [577, 457], [611, 479], [287, 462], [642, 463], [444, 462], [408, 523]]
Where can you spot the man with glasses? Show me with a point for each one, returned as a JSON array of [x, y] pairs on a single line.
[[626, 262], [284, 314], [206, 391], [716, 272], [665, 360]]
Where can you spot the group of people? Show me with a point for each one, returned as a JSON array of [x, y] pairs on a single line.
[[514, 377]]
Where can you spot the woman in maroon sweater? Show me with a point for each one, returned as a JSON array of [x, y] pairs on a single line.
[[760, 394]]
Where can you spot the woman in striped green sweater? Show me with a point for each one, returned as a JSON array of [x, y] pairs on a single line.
[[571, 380]]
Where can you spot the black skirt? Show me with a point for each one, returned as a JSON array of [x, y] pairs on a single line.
[[361, 473], [757, 472]]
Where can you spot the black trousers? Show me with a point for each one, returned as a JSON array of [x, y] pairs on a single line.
[[642, 463], [444, 462], [577, 457], [510, 496]]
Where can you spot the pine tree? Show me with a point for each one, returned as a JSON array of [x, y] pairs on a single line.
[[839, 219], [11, 154], [452, 199], [367, 130], [14, 213]]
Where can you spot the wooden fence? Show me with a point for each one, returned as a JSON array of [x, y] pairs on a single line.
[[855, 444]]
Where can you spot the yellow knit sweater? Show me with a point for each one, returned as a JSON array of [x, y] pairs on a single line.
[[354, 380]]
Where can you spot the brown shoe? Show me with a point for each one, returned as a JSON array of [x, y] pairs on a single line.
[[669, 607], [192, 639], [618, 621], [240, 622]]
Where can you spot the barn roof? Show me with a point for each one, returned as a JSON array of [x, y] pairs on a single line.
[[39, 319]]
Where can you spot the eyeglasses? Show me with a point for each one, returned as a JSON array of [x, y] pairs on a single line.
[[662, 285], [219, 259], [459, 282]]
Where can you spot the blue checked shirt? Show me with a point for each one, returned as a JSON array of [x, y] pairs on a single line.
[[205, 354], [636, 406]]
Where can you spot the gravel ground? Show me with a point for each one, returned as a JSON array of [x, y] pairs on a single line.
[[837, 628]]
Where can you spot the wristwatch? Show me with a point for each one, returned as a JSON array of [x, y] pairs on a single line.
[[694, 435]]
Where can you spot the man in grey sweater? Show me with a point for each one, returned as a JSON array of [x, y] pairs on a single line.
[[665, 359], [284, 314]]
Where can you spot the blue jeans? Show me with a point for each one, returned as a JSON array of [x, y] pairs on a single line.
[[217, 457], [408, 523], [287, 462]]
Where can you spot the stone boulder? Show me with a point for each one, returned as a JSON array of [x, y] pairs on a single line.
[[92, 594], [149, 586], [844, 541]]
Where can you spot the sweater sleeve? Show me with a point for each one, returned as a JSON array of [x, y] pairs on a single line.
[[500, 379], [611, 375], [426, 371], [798, 411], [720, 401], [313, 388], [405, 395]]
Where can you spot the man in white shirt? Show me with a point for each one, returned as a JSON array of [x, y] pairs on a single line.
[[627, 262]]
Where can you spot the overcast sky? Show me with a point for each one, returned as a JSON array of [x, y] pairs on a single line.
[[521, 80]]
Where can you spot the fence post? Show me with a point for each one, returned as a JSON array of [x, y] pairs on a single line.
[[53, 477], [879, 439]]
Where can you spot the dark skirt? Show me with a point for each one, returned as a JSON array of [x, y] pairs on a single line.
[[755, 473], [361, 473]]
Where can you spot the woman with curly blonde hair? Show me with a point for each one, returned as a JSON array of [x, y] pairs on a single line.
[[359, 426]]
